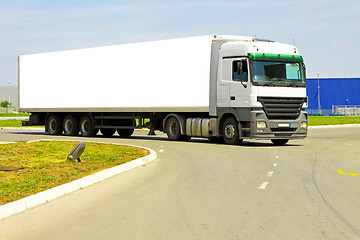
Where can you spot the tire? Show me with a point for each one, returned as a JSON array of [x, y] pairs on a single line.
[[71, 126], [125, 132], [185, 138], [231, 131], [216, 139], [107, 132], [173, 130], [86, 128], [54, 125], [279, 142]]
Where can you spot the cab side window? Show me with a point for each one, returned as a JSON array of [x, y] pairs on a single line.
[[240, 71]]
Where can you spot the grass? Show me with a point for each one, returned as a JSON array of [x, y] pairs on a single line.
[[10, 123], [14, 114], [46, 165], [332, 120]]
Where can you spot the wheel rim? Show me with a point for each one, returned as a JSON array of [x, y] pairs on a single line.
[[68, 126], [229, 131], [173, 128], [52, 125], [85, 127]]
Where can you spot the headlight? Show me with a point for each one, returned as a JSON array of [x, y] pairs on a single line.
[[304, 125], [261, 124]]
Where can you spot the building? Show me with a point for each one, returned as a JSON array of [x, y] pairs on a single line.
[[334, 93], [9, 93]]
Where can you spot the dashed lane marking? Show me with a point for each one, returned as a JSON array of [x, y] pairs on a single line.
[[263, 185]]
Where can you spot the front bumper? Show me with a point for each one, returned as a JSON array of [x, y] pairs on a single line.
[[277, 128]]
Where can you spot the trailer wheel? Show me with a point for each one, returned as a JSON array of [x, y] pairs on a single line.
[[279, 142], [173, 130], [86, 128], [54, 125], [231, 131], [107, 132], [71, 125], [125, 132], [216, 139]]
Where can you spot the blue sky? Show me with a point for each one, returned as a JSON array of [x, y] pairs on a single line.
[[327, 33]]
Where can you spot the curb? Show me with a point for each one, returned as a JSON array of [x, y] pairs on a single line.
[[336, 126], [14, 118], [24, 204]]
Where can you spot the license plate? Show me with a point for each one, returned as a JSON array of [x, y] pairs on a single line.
[[281, 125]]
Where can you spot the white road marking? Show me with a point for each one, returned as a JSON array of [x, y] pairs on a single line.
[[275, 164], [263, 185], [269, 174]]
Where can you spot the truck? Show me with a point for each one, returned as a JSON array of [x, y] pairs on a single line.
[[221, 87]]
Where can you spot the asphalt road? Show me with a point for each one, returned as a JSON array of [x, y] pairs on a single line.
[[200, 190]]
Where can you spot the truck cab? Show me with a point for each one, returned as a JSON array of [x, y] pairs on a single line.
[[262, 85]]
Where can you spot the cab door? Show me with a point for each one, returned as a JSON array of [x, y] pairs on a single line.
[[234, 86], [240, 83]]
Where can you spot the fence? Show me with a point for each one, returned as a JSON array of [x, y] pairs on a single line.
[[336, 110], [319, 112], [8, 109], [346, 110]]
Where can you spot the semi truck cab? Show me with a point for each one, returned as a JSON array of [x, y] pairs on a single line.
[[263, 84]]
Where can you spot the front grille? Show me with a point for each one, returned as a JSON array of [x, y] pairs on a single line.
[[281, 107]]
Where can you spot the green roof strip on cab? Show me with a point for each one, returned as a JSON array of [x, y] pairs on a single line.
[[272, 56]]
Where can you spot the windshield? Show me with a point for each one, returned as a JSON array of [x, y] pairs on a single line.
[[269, 73]]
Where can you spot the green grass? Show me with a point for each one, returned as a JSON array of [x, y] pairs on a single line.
[[46, 165], [14, 114], [332, 120], [13, 123], [10, 123]]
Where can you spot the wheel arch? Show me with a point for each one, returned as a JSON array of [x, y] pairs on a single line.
[[181, 119], [223, 118]]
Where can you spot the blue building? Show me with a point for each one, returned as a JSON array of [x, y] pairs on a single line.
[[333, 91]]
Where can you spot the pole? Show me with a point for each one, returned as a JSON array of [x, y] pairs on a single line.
[[319, 106], [8, 106]]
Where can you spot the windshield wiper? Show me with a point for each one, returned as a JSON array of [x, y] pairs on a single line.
[[268, 84], [294, 85]]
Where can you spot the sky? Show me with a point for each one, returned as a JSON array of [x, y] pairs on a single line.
[[327, 33]]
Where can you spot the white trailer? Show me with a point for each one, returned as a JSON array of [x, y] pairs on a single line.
[[229, 87]]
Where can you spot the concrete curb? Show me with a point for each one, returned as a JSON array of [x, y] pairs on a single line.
[[336, 126], [14, 118], [24, 204]]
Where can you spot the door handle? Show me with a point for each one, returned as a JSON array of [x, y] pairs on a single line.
[[232, 98]]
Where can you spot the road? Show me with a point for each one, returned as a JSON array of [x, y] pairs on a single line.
[[200, 190]]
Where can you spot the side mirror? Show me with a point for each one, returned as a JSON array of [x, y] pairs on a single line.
[[239, 68]]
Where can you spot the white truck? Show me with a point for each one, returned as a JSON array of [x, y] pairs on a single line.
[[226, 88]]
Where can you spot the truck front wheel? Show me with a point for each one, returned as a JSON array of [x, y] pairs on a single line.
[[54, 125], [86, 128], [279, 142], [231, 131]]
